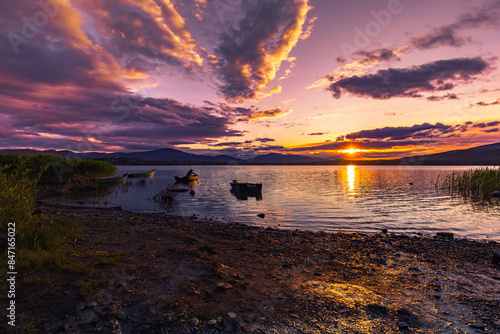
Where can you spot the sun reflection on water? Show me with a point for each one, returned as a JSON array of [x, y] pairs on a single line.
[[351, 176]]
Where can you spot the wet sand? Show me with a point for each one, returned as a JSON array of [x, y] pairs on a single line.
[[156, 273]]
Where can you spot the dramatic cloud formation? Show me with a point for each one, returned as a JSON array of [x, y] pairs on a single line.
[[402, 132], [367, 59], [141, 34], [249, 56], [116, 122], [448, 35], [378, 143], [431, 77], [132, 75]]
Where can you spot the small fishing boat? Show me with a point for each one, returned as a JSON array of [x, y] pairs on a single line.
[[146, 174], [244, 190], [186, 179], [240, 187], [110, 180]]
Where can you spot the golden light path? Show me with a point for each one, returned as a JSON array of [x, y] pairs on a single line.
[[351, 176]]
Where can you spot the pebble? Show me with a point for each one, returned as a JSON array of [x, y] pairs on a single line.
[[224, 286], [87, 316], [403, 325], [212, 322], [228, 329], [445, 235], [232, 315], [261, 215], [496, 258], [194, 321]]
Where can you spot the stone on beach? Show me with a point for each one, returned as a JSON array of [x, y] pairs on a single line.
[[445, 235], [224, 286], [496, 258]]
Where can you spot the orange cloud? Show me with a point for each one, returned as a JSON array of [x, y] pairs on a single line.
[[274, 112], [250, 56], [137, 33]]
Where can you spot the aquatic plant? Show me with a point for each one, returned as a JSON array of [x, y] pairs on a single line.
[[476, 183], [166, 195], [34, 231], [51, 169]]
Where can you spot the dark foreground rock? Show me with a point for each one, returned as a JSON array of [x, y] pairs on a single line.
[[156, 273]]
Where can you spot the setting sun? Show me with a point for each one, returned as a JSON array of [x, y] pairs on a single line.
[[351, 150]]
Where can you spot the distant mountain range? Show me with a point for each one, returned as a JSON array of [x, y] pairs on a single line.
[[481, 155]]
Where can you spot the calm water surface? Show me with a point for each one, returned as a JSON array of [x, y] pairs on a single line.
[[331, 198]]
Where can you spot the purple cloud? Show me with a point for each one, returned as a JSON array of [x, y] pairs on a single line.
[[448, 35], [410, 82], [401, 132], [264, 140], [268, 27]]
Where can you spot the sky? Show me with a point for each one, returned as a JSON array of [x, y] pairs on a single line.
[[325, 78]]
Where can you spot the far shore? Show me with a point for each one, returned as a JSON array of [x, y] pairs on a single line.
[[157, 273]]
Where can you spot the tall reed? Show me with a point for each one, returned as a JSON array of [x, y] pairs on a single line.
[[37, 235], [477, 183], [55, 169]]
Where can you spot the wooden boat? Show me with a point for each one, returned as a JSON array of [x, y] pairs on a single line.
[[240, 187], [146, 174], [244, 190], [186, 179], [110, 180]]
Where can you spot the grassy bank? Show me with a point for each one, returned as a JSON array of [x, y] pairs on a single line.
[[477, 184], [54, 169], [37, 235]]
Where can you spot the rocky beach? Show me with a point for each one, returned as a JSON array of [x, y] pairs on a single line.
[[157, 273]]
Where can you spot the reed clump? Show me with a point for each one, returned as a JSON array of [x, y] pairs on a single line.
[[34, 232], [51, 169], [166, 195], [477, 183]]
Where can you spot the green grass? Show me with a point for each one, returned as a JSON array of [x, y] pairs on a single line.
[[477, 183], [37, 236], [55, 169]]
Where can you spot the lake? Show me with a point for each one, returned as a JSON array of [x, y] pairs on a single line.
[[329, 198]]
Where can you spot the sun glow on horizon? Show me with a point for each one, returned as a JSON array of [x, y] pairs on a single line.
[[352, 150]]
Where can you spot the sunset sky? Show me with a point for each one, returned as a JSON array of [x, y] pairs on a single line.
[[381, 78]]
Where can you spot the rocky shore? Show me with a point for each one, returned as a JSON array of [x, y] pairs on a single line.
[[157, 273]]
